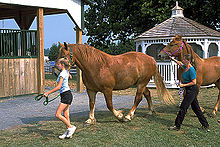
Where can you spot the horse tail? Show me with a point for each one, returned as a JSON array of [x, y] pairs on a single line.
[[161, 89]]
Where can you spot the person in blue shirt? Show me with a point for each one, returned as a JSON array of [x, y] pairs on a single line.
[[66, 97], [190, 97]]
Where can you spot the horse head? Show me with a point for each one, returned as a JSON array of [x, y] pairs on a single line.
[[64, 52], [174, 48]]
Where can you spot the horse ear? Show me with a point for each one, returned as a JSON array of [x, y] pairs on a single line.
[[60, 43], [65, 46], [176, 36]]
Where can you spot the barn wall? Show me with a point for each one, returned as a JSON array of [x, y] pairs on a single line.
[[18, 76]]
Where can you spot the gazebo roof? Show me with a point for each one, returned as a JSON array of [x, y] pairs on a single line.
[[178, 24]]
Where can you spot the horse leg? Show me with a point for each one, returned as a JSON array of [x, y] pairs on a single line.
[[149, 101], [108, 99], [218, 101], [137, 100], [92, 96]]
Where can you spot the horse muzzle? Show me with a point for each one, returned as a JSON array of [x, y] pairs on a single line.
[[56, 71]]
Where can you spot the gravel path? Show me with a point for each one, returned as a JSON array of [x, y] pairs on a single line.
[[25, 110]]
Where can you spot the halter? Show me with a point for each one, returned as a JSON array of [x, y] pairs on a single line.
[[174, 51]]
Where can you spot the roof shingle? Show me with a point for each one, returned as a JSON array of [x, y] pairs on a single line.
[[181, 26]]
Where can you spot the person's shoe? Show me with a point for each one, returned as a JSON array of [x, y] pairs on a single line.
[[71, 131], [204, 128], [174, 128], [64, 135]]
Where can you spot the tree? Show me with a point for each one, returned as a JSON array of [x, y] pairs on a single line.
[[111, 21], [54, 50], [120, 47]]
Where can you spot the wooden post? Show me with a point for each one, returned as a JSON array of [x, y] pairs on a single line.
[[79, 72], [40, 48]]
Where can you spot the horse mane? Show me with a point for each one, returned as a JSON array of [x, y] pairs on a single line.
[[190, 51], [89, 53]]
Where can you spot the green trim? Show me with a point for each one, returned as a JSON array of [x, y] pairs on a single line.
[[18, 57], [82, 16], [8, 97], [14, 43]]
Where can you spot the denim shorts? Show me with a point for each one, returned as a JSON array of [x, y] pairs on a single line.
[[66, 97]]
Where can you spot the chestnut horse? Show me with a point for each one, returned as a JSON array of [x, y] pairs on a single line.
[[104, 73], [208, 70]]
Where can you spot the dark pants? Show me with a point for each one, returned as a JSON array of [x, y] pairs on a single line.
[[190, 98]]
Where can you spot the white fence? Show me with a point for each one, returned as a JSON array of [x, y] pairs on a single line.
[[48, 66], [168, 71]]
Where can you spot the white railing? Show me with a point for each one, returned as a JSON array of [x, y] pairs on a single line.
[[48, 68], [168, 71]]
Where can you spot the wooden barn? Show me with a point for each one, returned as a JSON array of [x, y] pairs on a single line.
[[204, 41], [22, 51]]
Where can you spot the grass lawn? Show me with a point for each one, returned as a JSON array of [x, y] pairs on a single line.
[[143, 130]]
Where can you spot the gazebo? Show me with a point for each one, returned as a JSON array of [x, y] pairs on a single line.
[[204, 41], [22, 51]]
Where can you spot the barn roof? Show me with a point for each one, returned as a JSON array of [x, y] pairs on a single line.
[[178, 24], [12, 8]]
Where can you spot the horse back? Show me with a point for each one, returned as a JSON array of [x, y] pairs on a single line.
[[132, 68]]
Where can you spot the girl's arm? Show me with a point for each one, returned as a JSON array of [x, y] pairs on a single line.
[[188, 84], [56, 88], [178, 62]]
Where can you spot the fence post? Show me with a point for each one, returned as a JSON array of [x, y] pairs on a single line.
[[40, 48], [79, 72]]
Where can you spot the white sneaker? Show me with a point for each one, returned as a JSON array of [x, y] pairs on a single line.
[[64, 135], [71, 131]]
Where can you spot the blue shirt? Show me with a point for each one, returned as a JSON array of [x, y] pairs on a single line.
[[65, 75], [189, 75]]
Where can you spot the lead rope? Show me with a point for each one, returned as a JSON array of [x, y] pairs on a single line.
[[180, 92], [46, 101], [181, 89]]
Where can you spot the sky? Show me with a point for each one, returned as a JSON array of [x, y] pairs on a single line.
[[57, 27]]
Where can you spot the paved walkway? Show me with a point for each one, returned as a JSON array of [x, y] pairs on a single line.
[[25, 110]]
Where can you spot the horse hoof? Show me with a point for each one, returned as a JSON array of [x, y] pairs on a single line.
[[90, 122], [120, 116], [213, 114], [126, 120], [86, 124], [150, 113]]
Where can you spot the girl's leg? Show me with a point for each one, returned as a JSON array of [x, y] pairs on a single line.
[[199, 114], [66, 113], [60, 109]]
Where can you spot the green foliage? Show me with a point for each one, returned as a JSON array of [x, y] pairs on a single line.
[[54, 50], [120, 48], [46, 51], [110, 21]]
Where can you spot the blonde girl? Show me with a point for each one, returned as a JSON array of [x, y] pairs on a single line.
[[66, 97]]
